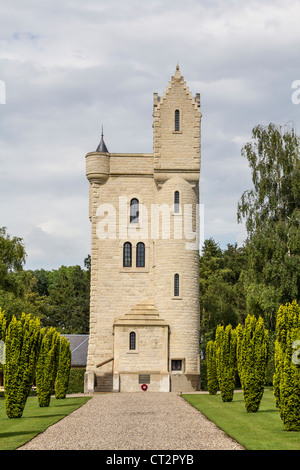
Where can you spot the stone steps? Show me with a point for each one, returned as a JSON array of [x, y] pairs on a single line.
[[104, 383]]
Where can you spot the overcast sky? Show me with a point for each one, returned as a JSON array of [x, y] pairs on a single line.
[[70, 66]]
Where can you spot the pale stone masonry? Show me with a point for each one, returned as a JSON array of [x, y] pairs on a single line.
[[144, 311]]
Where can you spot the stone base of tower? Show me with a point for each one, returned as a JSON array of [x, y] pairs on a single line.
[[143, 382], [89, 382], [156, 382], [141, 358], [185, 383]]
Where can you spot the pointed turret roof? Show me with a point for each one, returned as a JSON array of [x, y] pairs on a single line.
[[102, 147]]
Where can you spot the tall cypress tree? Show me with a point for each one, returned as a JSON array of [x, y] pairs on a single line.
[[252, 353], [47, 363], [3, 324], [64, 366], [225, 344], [22, 345], [212, 380], [287, 371]]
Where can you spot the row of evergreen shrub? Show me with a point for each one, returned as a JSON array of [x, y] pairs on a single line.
[[242, 351], [246, 350], [32, 354]]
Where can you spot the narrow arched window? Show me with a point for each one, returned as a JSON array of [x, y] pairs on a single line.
[[134, 211], [132, 340], [177, 120], [127, 255], [140, 255], [176, 285], [176, 201]]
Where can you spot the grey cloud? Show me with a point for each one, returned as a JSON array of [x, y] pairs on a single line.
[[70, 67]]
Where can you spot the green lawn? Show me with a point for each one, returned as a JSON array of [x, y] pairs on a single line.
[[262, 430], [15, 432]]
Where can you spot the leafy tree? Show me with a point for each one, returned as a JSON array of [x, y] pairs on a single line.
[[272, 212], [88, 264], [12, 258], [17, 287], [42, 281], [69, 300], [274, 160], [221, 290], [64, 367]]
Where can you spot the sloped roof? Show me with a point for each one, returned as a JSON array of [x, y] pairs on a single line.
[[142, 314], [79, 349]]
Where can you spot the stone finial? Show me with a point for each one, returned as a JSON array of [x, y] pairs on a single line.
[[177, 72]]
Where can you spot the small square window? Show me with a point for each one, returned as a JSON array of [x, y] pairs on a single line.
[[176, 364]]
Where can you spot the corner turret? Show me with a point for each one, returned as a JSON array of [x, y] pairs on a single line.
[[98, 163]]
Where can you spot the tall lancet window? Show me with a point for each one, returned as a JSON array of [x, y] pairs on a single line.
[[132, 340], [140, 255], [134, 211], [176, 285], [177, 120], [176, 201], [127, 255]]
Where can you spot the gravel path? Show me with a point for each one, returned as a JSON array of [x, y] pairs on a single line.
[[134, 421]]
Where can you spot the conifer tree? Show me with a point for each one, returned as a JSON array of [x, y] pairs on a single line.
[[64, 366], [225, 344], [212, 381], [3, 324], [252, 356], [47, 363], [22, 344], [287, 369]]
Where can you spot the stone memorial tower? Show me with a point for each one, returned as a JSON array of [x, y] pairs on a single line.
[[144, 310]]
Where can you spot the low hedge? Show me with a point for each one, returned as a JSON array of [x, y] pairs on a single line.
[[76, 381]]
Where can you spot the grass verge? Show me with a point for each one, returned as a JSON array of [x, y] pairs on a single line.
[[16, 432], [262, 430]]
